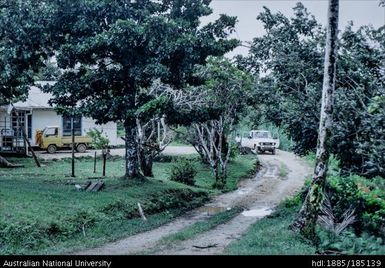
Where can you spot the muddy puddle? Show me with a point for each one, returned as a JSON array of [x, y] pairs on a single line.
[[212, 210], [260, 212]]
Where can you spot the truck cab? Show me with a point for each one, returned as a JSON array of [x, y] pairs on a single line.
[[51, 139]]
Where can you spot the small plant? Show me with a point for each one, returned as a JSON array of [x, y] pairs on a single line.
[[101, 142], [329, 220], [183, 171]]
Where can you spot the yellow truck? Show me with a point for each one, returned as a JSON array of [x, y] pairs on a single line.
[[50, 139]]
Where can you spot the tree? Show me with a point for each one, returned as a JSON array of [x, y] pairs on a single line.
[[110, 51], [308, 215], [154, 134], [24, 47], [153, 137], [180, 107], [228, 93]]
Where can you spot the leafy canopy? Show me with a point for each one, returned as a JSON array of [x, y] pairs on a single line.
[[24, 46], [112, 49]]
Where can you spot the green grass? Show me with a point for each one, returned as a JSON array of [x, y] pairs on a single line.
[[179, 143], [201, 227], [240, 168], [271, 236], [42, 212], [106, 231]]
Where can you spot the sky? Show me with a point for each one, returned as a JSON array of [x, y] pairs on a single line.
[[361, 12]]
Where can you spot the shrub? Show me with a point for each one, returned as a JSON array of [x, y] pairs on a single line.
[[367, 197], [161, 158], [350, 243], [183, 171], [234, 151]]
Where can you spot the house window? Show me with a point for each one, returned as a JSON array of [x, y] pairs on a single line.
[[67, 125]]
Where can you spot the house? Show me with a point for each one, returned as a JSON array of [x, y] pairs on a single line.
[[35, 114]]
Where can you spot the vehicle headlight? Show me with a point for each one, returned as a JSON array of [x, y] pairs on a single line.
[[274, 143]]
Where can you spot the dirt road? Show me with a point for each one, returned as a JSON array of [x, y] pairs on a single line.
[[281, 175]]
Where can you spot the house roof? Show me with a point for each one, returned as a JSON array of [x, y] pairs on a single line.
[[36, 98]]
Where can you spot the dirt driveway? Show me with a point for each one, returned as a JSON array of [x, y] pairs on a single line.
[[281, 176]]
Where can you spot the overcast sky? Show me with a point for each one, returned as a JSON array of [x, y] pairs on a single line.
[[361, 12]]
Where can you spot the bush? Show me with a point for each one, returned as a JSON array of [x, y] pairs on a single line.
[[350, 243], [183, 171], [181, 136], [161, 158], [235, 151], [367, 197]]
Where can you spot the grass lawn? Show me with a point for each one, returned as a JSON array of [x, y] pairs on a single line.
[[271, 236], [41, 212], [201, 226]]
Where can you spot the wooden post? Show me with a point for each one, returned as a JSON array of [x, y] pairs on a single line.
[[141, 212], [104, 162], [73, 146], [95, 163]]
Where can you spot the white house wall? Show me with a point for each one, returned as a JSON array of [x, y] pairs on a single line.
[[109, 129], [44, 118]]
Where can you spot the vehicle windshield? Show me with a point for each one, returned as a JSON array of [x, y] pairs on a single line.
[[50, 131], [262, 134]]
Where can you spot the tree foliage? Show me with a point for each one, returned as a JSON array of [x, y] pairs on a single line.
[[289, 58], [24, 45]]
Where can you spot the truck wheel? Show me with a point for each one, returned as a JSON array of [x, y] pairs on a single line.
[[51, 149], [81, 148]]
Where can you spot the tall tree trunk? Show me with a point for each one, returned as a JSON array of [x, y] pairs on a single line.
[[132, 161], [306, 220]]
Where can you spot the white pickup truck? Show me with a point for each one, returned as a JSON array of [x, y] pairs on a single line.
[[260, 140]]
